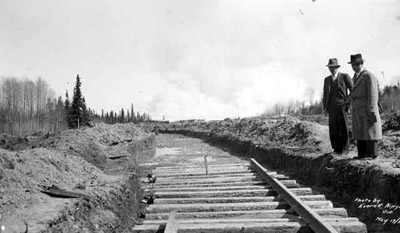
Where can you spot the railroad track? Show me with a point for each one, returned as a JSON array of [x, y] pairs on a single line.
[[238, 196]]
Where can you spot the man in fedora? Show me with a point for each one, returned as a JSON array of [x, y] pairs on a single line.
[[366, 122], [335, 94]]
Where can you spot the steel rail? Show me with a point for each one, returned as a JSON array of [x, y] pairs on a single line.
[[306, 213]]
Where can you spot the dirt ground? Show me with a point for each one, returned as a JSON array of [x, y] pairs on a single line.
[[101, 162], [95, 162], [289, 132]]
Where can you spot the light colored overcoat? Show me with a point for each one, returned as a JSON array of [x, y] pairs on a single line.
[[365, 96]]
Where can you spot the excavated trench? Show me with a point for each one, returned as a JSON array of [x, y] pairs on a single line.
[[354, 187], [117, 208], [120, 209]]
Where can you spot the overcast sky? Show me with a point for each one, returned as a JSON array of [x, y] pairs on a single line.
[[195, 58]]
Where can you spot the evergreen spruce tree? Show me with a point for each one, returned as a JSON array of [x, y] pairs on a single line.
[[85, 112], [112, 117], [122, 116], [78, 112], [132, 114]]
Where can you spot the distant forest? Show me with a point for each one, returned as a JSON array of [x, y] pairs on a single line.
[[27, 107]]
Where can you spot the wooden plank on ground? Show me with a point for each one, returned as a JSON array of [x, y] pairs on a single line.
[[172, 224]]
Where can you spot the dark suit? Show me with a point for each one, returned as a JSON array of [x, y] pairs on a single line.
[[335, 94]]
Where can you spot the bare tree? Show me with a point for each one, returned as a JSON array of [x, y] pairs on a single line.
[[27, 106]]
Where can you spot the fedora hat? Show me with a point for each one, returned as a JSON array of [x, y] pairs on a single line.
[[333, 62], [356, 58]]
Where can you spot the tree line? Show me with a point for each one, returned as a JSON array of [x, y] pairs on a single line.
[[389, 100], [122, 116], [27, 107]]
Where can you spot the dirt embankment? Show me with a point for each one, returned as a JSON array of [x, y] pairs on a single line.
[[303, 150], [99, 164]]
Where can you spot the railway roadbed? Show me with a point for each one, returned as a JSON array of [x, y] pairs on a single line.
[[194, 187]]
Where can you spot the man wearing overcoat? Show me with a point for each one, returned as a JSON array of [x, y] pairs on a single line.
[[335, 94], [366, 122]]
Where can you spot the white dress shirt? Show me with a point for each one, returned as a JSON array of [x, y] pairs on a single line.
[[335, 76]]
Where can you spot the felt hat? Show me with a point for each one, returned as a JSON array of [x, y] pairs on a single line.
[[333, 62], [356, 58]]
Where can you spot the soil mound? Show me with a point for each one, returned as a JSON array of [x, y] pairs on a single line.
[[285, 131], [73, 160]]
